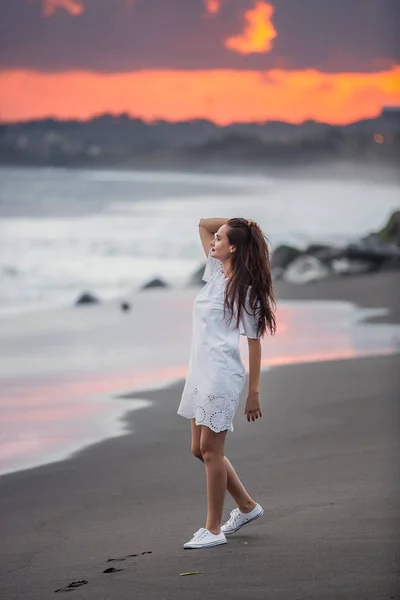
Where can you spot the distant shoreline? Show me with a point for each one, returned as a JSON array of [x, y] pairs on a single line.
[[346, 170]]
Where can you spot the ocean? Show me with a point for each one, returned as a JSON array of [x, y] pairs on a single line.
[[64, 231]]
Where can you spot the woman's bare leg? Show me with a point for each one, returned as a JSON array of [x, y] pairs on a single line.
[[244, 501], [212, 450], [196, 433], [234, 486]]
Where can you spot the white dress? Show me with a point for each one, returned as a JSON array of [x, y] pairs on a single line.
[[216, 372]]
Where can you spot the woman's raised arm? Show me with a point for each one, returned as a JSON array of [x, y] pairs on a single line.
[[207, 229]]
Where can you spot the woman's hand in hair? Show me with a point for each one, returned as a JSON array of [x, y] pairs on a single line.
[[253, 407]]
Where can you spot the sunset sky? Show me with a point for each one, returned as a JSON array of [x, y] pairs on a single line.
[[224, 60]]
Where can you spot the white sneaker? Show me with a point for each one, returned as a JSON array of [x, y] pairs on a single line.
[[238, 519], [204, 538]]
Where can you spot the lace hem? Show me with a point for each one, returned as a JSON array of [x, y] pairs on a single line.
[[206, 424], [215, 411]]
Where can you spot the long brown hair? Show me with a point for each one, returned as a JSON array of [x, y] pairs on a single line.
[[250, 266]]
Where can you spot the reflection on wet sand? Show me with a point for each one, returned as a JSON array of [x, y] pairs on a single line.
[[48, 417]]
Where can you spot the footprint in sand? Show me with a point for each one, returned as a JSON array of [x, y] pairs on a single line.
[[72, 586], [112, 570], [123, 558], [75, 584]]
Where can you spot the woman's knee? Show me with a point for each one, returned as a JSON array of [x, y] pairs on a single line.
[[210, 452], [197, 452], [212, 444]]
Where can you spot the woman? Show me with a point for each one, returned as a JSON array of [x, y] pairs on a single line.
[[236, 300]]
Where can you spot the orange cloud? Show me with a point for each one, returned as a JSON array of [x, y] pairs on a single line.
[[258, 32], [223, 96], [73, 7], [213, 6]]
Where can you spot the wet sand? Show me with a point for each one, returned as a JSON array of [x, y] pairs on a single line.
[[376, 290], [323, 461]]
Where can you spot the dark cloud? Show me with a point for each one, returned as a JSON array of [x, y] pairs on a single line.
[[329, 35]]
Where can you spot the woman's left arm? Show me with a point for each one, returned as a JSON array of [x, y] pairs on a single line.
[[253, 408]]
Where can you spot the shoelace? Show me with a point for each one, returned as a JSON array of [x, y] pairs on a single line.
[[200, 533], [235, 515]]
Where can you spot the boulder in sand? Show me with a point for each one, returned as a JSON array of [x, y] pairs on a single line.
[[305, 269], [283, 255], [318, 249], [125, 306], [87, 298], [373, 250], [391, 232], [155, 283], [348, 266]]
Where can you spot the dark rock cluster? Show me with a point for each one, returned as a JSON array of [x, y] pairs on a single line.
[[376, 251]]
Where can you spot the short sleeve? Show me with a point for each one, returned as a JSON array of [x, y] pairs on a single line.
[[213, 266], [249, 322]]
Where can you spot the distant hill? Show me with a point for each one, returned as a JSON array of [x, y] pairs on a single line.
[[123, 127], [121, 139]]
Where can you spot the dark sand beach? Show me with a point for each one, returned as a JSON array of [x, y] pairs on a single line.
[[323, 461]]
